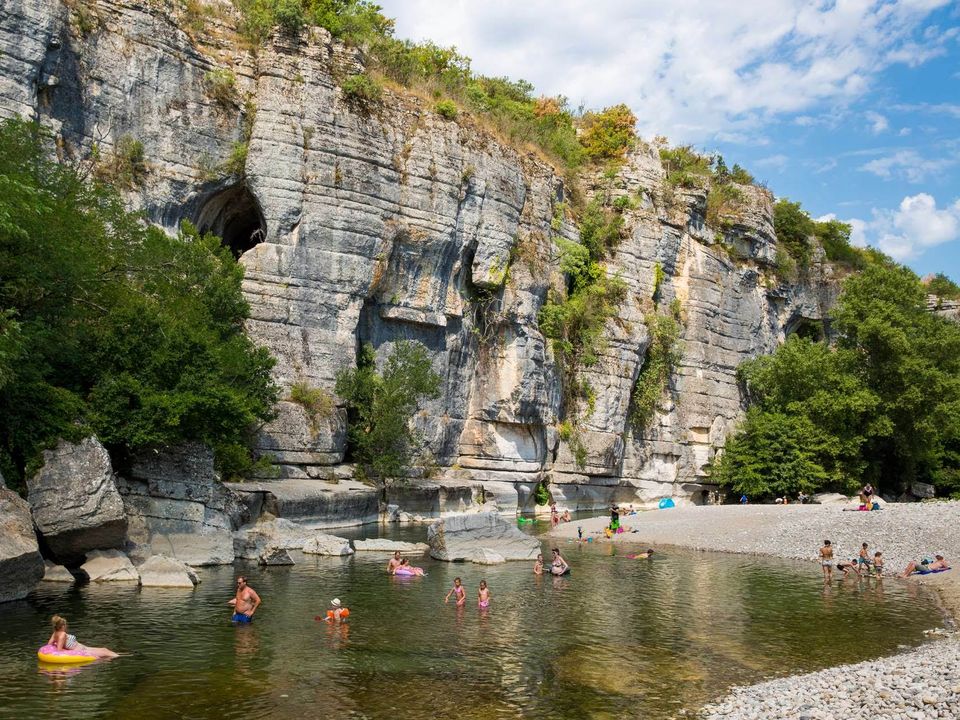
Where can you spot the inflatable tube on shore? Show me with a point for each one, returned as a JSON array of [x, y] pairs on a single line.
[[666, 503], [55, 656]]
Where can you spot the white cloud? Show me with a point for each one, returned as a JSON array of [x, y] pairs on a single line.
[[688, 68], [911, 229], [878, 123], [775, 162], [908, 165]]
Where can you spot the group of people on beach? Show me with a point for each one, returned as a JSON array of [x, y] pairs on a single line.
[[865, 565]]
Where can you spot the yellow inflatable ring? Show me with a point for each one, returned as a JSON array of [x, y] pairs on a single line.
[[51, 654]]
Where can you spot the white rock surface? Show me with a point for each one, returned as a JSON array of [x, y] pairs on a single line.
[[461, 537], [327, 545], [389, 546], [483, 556], [56, 573], [269, 532], [109, 566], [162, 571]]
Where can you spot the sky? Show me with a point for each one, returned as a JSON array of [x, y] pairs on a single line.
[[851, 107]]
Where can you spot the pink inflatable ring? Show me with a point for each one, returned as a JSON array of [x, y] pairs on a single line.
[[51, 654]]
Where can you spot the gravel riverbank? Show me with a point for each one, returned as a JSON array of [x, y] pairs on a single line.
[[922, 683]]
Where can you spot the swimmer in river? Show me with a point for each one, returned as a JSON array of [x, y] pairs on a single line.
[[559, 565], [337, 613], [405, 568], [641, 556], [394, 563], [483, 596], [245, 603], [538, 565], [459, 593], [62, 641]]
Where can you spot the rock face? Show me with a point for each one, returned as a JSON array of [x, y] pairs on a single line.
[[269, 532], [21, 566], [327, 545], [109, 566], [179, 508], [479, 537], [389, 546], [74, 500], [161, 571], [396, 224]]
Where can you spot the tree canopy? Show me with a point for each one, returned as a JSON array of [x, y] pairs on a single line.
[[112, 327]]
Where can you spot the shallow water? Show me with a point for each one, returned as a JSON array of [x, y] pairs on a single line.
[[616, 638]]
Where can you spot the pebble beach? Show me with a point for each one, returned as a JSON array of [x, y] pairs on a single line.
[[920, 683]]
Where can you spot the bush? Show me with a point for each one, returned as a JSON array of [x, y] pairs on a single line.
[[724, 204], [943, 287], [663, 355], [115, 328], [318, 403], [740, 176], [221, 85], [685, 167], [126, 167], [601, 229], [609, 134], [446, 109], [541, 496], [362, 90], [794, 228], [236, 164], [381, 406], [834, 236]]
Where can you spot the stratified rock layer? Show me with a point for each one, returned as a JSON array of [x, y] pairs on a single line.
[[74, 500], [21, 566], [482, 537]]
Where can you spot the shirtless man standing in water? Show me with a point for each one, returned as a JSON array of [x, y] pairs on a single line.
[[246, 602], [394, 563]]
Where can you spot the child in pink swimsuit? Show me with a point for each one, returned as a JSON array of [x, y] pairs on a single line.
[[483, 595], [458, 591]]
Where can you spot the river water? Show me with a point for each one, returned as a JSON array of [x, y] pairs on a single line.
[[617, 638]]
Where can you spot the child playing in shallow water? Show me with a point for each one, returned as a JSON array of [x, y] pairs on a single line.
[[459, 593], [483, 595], [62, 641]]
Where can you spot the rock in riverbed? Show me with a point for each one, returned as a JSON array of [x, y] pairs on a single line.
[[269, 532], [109, 566], [57, 573], [75, 502], [21, 566], [162, 571], [383, 545], [461, 537], [327, 545], [276, 556]]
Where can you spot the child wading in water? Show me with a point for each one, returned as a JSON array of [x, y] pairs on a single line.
[[878, 563], [459, 593], [62, 641], [483, 595], [826, 560]]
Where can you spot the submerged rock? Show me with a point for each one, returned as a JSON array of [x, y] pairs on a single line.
[[162, 571], [21, 565], [276, 556], [327, 545], [389, 546], [109, 566], [56, 573], [75, 502], [463, 537]]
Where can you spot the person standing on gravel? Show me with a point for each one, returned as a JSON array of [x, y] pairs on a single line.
[[826, 560]]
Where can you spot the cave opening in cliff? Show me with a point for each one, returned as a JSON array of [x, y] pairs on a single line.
[[806, 328], [235, 216]]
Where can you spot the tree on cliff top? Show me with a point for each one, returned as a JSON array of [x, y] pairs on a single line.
[[380, 406], [110, 326]]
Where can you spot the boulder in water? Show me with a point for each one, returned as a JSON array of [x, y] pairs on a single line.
[[327, 545], [390, 546], [461, 537], [276, 556], [56, 573], [21, 565], [109, 566], [269, 532], [163, 571]]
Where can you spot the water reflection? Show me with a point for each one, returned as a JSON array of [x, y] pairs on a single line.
[[652, 635]]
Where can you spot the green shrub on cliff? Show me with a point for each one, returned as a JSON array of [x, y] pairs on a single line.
[[943, 287], [380, 407], [881, 405], [110, 326]]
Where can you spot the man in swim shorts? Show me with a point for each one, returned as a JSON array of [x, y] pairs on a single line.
[[245, 603], [923, 567], [394, 563]]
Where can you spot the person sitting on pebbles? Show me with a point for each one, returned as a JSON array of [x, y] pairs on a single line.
[[925, 566]]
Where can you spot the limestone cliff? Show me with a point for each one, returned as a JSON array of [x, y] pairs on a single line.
[[375, 224]]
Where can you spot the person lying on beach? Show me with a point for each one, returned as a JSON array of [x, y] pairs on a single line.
[[394, 563], [62, 641], [538, 565], [925, 566]]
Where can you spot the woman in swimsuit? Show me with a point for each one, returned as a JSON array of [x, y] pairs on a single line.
[[458, 591], [405, 568], [559, 566], [483, 596], [62, 641]]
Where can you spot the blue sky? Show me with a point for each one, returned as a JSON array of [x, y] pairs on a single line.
[[851, 107]]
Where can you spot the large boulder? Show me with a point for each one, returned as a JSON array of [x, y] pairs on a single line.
[[21, 565], [178, 507], [276, 556], [74, 500], [462, 537], [389, 546], [269, 532], [56, 573], [109, 566], [327, 545], [922, 490], [162, 571]]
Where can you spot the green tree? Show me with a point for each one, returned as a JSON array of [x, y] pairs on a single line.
[[381, 406], [794, 228], [943, 287], [110, 326]]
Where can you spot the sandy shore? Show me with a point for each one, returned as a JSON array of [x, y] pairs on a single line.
[[923, 683]]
